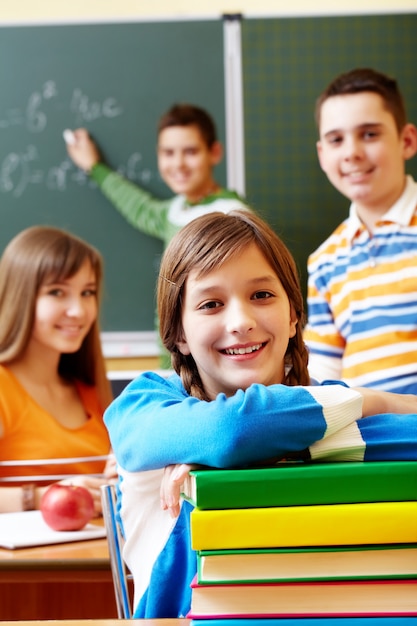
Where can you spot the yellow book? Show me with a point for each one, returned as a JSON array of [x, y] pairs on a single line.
[[335, 524]]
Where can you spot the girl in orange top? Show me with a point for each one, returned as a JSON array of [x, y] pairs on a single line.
[[53, 384]]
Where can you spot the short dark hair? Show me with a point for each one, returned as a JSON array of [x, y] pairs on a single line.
[[367, 79], [188, 115]]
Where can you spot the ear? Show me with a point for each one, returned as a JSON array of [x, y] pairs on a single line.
[[319, 149], [183, 347], [293, 323], [216, 153], [409, 140]]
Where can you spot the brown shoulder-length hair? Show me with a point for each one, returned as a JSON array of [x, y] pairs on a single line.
[[33, 257], [206, 244]]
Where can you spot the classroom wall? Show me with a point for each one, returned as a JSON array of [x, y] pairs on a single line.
[[23, 10], [27, 11]]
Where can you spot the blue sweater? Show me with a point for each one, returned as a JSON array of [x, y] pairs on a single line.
[[155, 423]]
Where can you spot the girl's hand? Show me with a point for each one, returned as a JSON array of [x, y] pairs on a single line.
[[376, 402], [174, 476], [110, 470]]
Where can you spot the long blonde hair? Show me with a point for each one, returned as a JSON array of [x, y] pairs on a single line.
[[34, 256], [206, 244]]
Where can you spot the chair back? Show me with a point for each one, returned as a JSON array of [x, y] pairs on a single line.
[[47, 471], [115, 542]]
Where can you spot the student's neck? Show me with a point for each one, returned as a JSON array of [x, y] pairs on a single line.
[[41, 369], [370, 215], [211, 188]]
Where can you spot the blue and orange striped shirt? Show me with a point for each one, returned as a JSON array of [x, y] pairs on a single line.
[[362, 301]]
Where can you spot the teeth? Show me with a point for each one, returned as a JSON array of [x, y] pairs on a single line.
[[243, 350], [356, 174]]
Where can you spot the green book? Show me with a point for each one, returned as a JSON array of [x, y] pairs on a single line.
[[306, 564], [302, 484]]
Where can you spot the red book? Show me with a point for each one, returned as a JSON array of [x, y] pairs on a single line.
[[310, 599]]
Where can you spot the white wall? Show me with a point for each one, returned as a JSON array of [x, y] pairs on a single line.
[[41, 10]]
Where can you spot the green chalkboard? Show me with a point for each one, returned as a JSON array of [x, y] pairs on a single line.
[[287, 62], [116, 80]]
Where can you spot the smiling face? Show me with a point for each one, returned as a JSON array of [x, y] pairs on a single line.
[[185, 161], [237, 322], [65, 311], [361, 150]]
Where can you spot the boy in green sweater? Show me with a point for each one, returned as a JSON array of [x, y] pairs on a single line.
[[188, 150]]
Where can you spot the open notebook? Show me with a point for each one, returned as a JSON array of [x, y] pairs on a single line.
[[27, 529]]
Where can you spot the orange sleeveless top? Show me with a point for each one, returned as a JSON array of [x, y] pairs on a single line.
[[29, 432]]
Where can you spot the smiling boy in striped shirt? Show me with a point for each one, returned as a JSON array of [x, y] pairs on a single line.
[[362, 287]]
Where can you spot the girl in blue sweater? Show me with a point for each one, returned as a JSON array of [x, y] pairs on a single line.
[[231, 315]]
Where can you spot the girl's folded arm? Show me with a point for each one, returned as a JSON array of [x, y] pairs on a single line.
[[154, 423]]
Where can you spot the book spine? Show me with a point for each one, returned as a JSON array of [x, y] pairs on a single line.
[[309, 621], [328, 599], [325, 525], [300, 484], [393, 561]]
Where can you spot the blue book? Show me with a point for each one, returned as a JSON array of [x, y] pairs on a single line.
[[310, 621]]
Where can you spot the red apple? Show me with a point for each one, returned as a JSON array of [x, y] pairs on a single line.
[[67, 507]]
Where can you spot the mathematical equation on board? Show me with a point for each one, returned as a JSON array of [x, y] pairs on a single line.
[[19, 170]]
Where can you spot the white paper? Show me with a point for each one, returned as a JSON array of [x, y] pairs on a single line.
[[27, 529]]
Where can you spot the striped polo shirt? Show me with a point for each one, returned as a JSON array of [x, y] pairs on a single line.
[[362, 301]]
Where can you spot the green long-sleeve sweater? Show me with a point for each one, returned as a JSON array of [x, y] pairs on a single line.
[[155, 217]]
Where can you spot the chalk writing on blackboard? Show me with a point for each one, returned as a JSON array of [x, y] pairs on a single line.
[[21, 169], [18, 171], [87, 111], [33, 115]]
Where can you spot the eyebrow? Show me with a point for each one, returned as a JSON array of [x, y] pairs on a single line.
[[268, 278], [189, 146], [64, 281], [359, 127]]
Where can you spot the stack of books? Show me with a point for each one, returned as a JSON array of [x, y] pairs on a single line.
[[302, 542]]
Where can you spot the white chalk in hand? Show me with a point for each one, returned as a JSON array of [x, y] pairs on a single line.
[[69, 136]]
